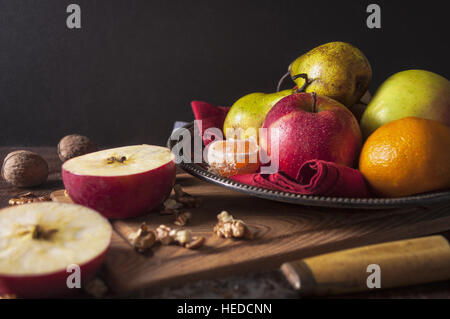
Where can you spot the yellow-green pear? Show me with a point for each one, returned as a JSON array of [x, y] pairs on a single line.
[[336, 69], [247, 114], [416, 93]]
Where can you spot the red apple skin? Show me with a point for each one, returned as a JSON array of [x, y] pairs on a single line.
[[49, 285], [121, 196], [330, 132]]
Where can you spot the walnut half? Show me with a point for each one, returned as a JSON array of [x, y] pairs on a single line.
[[28, 197], [182, 218], [228, 227], [183, 237], [143, 239]]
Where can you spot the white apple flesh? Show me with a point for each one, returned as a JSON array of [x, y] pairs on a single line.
[[39, 241], [121, 182]]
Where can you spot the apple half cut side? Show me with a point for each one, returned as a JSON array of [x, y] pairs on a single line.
[[121, 182], [39, 241]]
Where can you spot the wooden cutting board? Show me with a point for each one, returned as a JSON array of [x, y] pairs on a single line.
[[283, 232]]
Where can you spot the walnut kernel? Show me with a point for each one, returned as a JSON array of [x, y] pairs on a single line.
[[163, 235], [28, 197], [228, 227], [182, 236], [195, 243], [184, 198], [143, 239], [182, 219]]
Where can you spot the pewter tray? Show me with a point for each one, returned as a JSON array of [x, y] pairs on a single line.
[[201, 171]]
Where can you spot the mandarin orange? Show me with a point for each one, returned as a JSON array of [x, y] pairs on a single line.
[[407, 156]]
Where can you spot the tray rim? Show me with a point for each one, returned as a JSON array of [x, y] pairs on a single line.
[[372, 203]]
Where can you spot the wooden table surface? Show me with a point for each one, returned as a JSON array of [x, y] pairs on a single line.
[[256, 285]]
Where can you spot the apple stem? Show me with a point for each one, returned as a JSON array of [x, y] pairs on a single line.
[[305, 85], [282, 80]]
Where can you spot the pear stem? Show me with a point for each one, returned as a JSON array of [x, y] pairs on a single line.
[[305, 85], [282, 80]]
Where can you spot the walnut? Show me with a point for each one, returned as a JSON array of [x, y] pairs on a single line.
[[195, 243], [163, 235], [228, 227], [96, 288], [74, 145], [28, 197], [182, 236], [184, 198], [225, 217], [171, 206], [143, 239], [24, 169], [179, 191], [182, 218]]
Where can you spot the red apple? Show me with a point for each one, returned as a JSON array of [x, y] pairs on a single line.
[[121, 182], [310, 127], [39, 241]]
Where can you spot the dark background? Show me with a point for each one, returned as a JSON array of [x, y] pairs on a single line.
[[134, 66]]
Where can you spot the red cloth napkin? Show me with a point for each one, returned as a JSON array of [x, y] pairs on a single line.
[[315, 177], [211, 116]]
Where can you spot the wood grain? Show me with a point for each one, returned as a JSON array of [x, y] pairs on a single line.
[[283, 232]]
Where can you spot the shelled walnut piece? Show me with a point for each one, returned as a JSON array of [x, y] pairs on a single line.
[[184, 198], [143, 239], [28, 197], [163, 235], [177, 206], [171, 206], [228, 227], [183, 237], [182, 219]]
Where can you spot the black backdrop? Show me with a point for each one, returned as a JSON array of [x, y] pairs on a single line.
[[135, 65]]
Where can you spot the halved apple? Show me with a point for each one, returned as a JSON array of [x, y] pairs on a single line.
[[39, 241], [121, 182]]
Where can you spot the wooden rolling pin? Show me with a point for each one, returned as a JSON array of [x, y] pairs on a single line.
[[401, 263]]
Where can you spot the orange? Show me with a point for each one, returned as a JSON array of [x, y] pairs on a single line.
[[232, 157], [406, 157]]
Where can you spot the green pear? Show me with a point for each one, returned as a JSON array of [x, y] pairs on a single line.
[[417, 93], [336, 69], [247, 114]]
